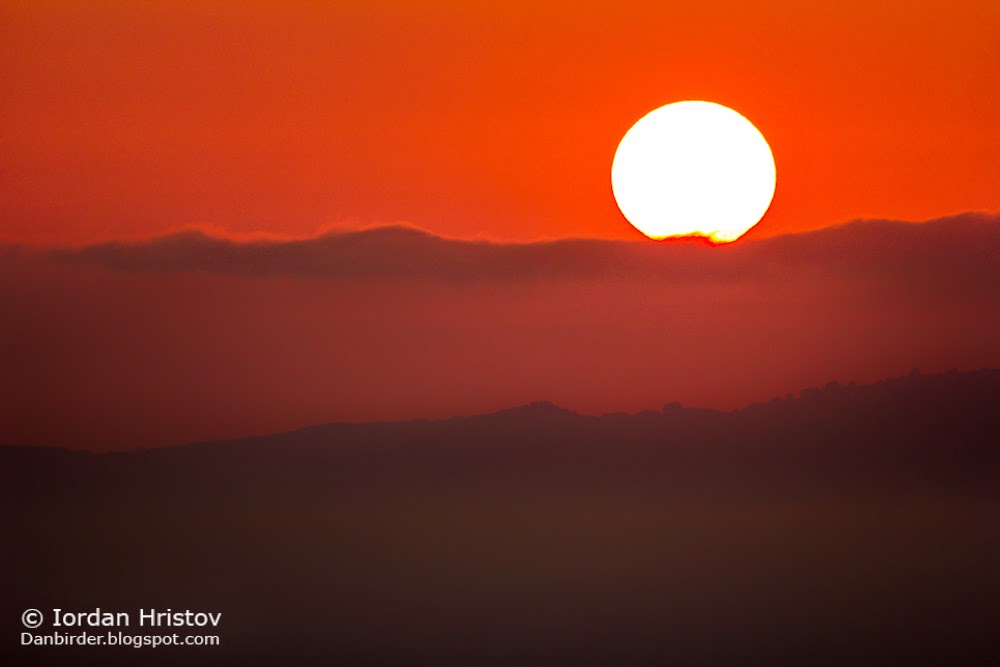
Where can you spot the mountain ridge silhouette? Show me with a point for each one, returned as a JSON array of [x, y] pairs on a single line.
[[892, 424], [850, 524]]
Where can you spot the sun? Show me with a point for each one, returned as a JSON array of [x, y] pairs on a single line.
[[693, 169]]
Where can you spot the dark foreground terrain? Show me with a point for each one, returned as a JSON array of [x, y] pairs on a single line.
[[848, 525]]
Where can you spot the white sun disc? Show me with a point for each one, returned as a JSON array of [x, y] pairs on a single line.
[[693, 169]]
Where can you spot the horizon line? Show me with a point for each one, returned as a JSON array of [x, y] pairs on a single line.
[[673, 406]]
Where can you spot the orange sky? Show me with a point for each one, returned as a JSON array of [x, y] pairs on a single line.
[[494, 119]]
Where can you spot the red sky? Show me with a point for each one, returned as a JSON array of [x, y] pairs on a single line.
[[472, 120], [184, 339], [492, 119]]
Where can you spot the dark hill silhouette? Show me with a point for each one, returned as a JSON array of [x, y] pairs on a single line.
[[849, 524], [109, 343]]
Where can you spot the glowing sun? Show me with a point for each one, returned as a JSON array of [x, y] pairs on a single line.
[[693, 169]]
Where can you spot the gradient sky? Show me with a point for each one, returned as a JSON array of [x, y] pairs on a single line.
[[486, 124], [187, 338], [476, 119]]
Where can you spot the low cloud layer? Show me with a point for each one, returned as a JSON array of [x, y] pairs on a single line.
[[190, 337], [958, 248]]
